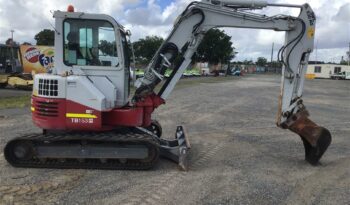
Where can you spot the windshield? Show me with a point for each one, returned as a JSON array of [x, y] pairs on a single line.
[[89, 43]]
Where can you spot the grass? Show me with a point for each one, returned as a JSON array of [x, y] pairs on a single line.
[[193, 81], [15, 102], [24, 100], [198, 80]]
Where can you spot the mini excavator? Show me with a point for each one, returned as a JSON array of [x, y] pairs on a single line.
[[89, 120]]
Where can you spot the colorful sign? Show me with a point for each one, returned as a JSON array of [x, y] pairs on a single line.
[[37, 58]]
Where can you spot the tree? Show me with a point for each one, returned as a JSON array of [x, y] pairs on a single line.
[[216, 47], [261, 61], [344, 62], [145, 48], [9, 42], [26, 44], [247, 62], [107, 48], [45, 37], [275, 64]]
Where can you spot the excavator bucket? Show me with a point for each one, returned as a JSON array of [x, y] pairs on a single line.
[[176, 150], [316, 139]]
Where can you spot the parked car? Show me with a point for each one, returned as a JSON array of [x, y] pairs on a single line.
[[236, 73], [341, 76], [205, 71], [139, 73], [191, 73]]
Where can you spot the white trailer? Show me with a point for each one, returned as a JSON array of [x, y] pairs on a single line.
[[326, 70]]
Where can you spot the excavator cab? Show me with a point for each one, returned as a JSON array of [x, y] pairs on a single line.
[[83, 106]]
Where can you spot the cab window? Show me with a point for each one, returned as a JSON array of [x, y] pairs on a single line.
[[89, 43]]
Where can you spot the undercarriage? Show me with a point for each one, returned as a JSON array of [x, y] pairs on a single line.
[[124, 148]]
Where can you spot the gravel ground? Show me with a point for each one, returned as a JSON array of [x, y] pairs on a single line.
[[11, 92], [238, 155]]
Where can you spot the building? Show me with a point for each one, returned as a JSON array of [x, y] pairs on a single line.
[[260, 69], [8, 57], [326, 70]]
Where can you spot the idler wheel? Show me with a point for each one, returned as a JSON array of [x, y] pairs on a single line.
[[23, 150]]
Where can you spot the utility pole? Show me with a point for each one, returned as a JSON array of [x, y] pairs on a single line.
[[12, 31], [316, 51], [349, 55], [272, 53], [12, 54]]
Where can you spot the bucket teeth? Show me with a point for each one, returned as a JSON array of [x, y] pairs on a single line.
[[316, 139]]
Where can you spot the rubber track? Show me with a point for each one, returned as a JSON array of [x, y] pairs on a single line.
[[131, 136]]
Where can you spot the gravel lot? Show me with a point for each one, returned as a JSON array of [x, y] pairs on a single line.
[[238, 155], [9, 92]]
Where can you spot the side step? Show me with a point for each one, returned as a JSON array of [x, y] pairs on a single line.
[[176, 150]]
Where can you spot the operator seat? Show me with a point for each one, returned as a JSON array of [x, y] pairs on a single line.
[[74, 52]]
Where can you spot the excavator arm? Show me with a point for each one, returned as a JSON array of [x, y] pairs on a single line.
[[199, 17]]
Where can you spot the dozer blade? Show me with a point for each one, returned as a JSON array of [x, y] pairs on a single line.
[[176, 150], [316, 139]]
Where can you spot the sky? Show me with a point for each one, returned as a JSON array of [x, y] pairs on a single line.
[[156, 17]]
